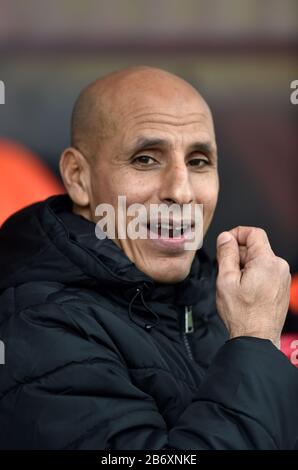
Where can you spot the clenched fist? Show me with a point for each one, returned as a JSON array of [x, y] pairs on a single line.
[[253, 285]]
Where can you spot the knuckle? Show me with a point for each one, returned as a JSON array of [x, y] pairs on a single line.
[[225, 280], [260, 232], [283, 264]]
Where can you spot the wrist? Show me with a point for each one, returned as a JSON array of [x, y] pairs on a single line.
[[260, 335]]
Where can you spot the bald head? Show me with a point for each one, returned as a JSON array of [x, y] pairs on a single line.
[[95, 113]]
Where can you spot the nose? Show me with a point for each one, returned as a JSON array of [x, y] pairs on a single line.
[[176, 186]]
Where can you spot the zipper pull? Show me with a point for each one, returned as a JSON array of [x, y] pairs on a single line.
[[188, 320]]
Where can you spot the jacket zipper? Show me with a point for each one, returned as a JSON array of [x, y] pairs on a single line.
[[187, 329]]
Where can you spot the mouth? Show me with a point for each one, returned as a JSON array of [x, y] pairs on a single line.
[[170, 237], [170, 230]]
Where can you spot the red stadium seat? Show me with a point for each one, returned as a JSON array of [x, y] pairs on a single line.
[[24, 179], [294, 294], [289, 346]]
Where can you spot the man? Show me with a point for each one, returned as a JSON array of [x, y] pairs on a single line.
[[116, 343]]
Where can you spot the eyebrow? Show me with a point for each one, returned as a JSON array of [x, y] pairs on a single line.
[[143, 143]]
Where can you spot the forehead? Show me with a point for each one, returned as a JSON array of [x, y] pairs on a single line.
[[167, 123], [165, 99], [165, 110]]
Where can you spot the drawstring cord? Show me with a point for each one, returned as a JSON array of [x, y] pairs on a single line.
[[147, 326]]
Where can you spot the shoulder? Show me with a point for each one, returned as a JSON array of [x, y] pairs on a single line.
[[50, 333], [51, 303]]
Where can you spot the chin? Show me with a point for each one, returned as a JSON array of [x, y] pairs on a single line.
[[169, 276], [164, 268], [170, 279]]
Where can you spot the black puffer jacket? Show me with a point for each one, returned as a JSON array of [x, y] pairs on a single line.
[[97, 357]]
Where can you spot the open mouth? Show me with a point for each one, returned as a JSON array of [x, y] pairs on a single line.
[[169, 230]]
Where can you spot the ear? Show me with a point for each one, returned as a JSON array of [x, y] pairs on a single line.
[[75, 173]]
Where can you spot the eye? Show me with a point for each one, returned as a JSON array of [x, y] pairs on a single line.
[[199, 162], [144, 160]]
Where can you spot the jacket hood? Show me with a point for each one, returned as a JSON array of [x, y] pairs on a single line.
[[47, 242]]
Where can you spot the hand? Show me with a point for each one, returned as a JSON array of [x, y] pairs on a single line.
[[253, 285]]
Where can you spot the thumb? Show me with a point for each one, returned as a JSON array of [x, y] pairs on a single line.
[[228, 256]]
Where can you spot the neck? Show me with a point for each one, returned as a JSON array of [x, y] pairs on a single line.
[[82, 211]]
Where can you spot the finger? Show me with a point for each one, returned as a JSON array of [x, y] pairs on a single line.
[[228, 256], [243, 254], [254, 239]]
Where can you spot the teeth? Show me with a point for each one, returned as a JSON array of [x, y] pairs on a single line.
[[182, 227], [167, 226]]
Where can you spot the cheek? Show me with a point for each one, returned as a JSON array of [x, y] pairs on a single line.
[[134, 187], [107, 188], [207, 193]]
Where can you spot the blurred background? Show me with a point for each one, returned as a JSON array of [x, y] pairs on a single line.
[[241, 55]]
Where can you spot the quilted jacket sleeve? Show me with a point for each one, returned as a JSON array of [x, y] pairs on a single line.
[[61, 390]]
